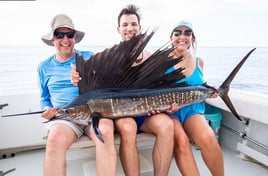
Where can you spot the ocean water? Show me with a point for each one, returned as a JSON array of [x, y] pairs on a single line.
[[19, 63], [219, 62]]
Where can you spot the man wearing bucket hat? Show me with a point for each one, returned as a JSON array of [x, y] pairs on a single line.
[[190, 119], [57, 90]]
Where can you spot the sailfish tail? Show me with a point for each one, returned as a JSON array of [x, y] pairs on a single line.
[[224, 88]]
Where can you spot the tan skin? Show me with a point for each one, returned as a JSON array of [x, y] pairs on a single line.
[[182, 149], [55, 158], [196, 126], [64, 51]]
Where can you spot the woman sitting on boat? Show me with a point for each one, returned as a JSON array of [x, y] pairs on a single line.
[[192, 117]]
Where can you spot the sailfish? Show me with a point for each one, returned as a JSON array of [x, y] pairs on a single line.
[[111, 87]]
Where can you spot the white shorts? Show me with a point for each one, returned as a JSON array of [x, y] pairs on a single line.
[[77, 128]]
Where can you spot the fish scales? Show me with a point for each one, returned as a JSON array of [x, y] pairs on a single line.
[[134, 106], [79, 114]]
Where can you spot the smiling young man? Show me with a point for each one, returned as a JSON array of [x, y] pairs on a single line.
[[159, 124]]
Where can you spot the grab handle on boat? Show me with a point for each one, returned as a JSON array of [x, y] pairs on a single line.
[[3, 105], [5, 173]]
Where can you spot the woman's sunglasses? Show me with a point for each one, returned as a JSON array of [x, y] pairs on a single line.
[[187, 33], [60, 35]]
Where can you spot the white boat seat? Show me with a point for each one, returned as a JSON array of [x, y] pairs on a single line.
[[84, 141]]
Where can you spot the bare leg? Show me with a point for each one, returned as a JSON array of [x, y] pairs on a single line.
[[105, 152], [127, 129], [59, 140], [162, 127], [198, 130], [183, 151]]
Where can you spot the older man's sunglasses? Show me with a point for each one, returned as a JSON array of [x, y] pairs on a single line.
[[60, 35]]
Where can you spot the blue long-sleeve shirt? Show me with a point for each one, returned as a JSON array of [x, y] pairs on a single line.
[[54, 81]]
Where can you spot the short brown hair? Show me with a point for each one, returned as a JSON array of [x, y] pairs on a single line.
[[129, 10]]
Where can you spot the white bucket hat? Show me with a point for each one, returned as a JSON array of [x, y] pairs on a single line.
[[58, 21]]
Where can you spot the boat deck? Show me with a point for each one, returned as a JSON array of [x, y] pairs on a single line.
[[81, 161]]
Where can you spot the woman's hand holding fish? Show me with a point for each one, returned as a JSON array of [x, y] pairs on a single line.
[[215, 94]]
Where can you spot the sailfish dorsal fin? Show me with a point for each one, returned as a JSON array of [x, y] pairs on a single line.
[[113, 67]]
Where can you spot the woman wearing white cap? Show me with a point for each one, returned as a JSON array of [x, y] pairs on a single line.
[[191, 117], [57, 90]]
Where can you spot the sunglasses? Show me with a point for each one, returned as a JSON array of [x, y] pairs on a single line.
[[60, 35], [187, 33]]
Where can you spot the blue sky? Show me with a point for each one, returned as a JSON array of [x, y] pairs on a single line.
[[216, 22]]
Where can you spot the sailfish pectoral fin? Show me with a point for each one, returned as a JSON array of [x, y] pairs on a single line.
[[95, 123]]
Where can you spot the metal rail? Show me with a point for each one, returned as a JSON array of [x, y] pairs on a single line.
[[243, 135]]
